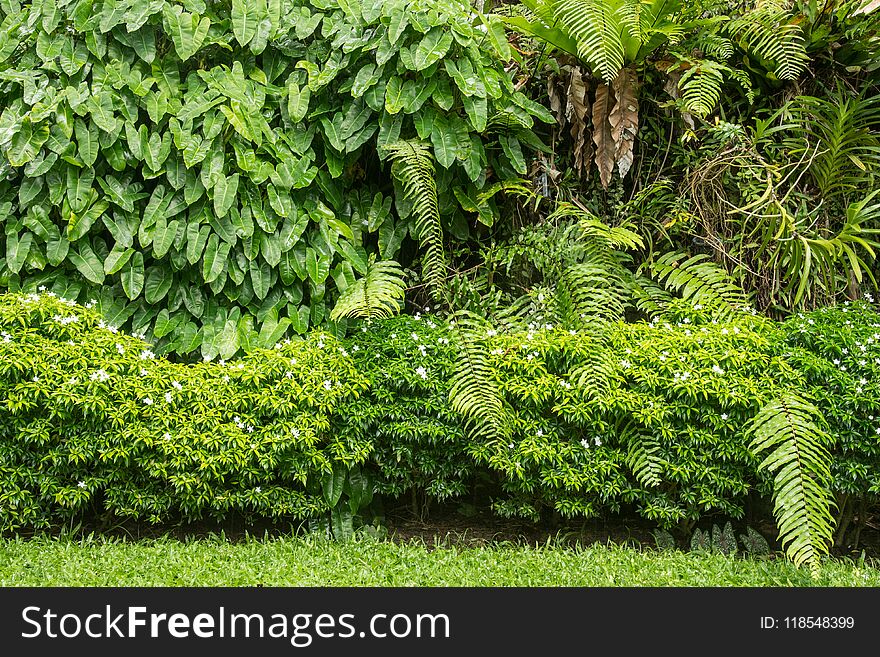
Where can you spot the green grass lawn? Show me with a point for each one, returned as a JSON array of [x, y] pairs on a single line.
[[369, 562]]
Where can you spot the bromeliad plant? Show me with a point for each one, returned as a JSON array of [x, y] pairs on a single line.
[[613, 41], [215, 174]]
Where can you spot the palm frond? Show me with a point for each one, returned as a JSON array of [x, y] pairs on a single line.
[[799, 459]]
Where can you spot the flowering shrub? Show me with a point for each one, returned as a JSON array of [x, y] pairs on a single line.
[[93, 420], [838, 351], [652, 418]]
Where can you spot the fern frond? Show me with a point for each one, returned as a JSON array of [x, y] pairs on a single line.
[[701, 87], [596, 374], [700, 281], [413, 165], [378, 294], [769, 33], [649, 297], [597, 290], [473, 391], [716, 46], [596, 28], [799, 459], [641, 456]]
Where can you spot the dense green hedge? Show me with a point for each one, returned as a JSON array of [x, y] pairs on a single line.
[[213, 173], [653, 418]]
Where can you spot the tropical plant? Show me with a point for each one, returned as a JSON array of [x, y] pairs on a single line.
[[213, 175], [800, 461]]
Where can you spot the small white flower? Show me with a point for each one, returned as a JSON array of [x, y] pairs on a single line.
[[355, 348], [539, 433], [877, 430], [294, 432], [320, 345], [585, 443], [166, 436], [422, 372], [414, 336], [724, 416], [511, 446], [491, 333], [572, 332], [147, 354], [148, 401], [529, 357], [36, 379], [327, 385], [540, 296], [724, 331], [393, 336], [717, 369], [176, 385], [836, 361], [168, 397], [99, 375], [258, 490], [597, 441], [686, 320], [73, 381], [288, 374], [42, 288], [625, 364], [225, 378], [250, 428], [81, 484], [120, 349]]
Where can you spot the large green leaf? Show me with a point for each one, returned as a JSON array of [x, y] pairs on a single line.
[[450, 139], [245, 19], [297, 102], [431, 48], [188, 31], [132, 276], [117, 259], [225, 193], [158, 283], [88, 264], [86, 141], [214, 261], [26, 143]]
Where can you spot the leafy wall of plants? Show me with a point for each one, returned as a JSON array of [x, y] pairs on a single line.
[[668, 420], [212, 173]]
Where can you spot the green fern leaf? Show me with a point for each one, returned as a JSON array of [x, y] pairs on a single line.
[[414, 167], [473, 390], [700, 282], [597, 29], [799, 459], [377, 295]]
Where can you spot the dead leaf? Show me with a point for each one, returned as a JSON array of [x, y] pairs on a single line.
[[624, 118], [576, 113], [604, 156]]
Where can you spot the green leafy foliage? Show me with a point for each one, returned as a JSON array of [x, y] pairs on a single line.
[[799, 460], [218, 169], [378, 294], [314, 429]]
